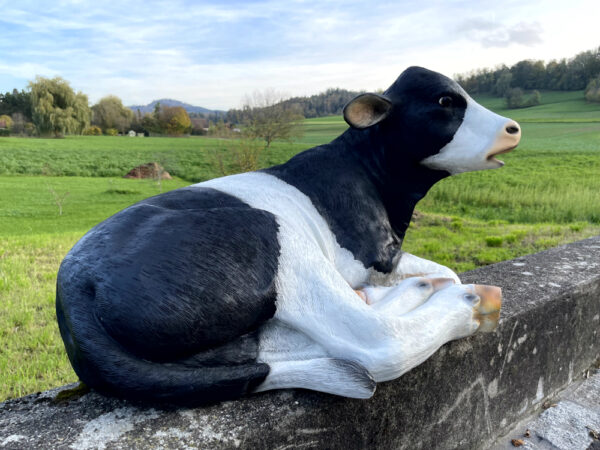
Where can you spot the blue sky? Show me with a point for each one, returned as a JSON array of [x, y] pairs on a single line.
[[212, 54]]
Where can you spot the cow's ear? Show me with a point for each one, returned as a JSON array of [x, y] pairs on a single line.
[[366, 110]]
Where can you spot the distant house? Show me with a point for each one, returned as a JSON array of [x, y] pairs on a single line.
[[131, 133]]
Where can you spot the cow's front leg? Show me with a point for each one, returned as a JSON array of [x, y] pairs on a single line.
[[330, 314], [408, 266], [403, 297], [451, 313]]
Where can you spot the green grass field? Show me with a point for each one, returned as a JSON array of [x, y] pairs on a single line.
[[547, 194]]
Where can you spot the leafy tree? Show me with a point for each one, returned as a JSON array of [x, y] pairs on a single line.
[[502, 84], [151, 124], [16, 102], [327, 103], [175, 120], [566, 74], [57, 109], [266, 117], [6, 122], [592, 90], [109, 112], [136, 123]]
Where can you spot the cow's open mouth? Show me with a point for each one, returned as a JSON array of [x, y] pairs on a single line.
[[493, 153]]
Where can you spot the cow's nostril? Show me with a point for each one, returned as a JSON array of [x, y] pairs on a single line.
[[512, 129]]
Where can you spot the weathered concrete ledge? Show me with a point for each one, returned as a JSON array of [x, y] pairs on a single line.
[[465, 396]]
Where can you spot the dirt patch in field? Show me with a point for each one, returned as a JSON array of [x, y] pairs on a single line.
[[149, 170]]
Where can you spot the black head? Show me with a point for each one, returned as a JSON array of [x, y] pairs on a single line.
[[427, 119]]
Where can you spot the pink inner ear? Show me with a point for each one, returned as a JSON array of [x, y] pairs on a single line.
[[360, 114], [366, 110]]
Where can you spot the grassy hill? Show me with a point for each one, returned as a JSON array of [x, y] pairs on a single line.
[[556, 106], [547, 194]]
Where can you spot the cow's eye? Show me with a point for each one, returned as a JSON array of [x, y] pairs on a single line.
[[445, 101]]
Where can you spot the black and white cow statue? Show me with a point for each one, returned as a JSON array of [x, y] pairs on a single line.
[[288, 277]]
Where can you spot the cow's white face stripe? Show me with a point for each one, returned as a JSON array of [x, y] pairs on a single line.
[[472, 142]]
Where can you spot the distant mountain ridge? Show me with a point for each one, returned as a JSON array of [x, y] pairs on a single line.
[[170, 102]]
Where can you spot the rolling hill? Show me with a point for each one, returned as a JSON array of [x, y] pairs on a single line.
[[170, 102]]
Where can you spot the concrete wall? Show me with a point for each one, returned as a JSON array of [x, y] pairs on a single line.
[[465, 396]]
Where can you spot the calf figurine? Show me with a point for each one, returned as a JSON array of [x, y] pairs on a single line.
[[247, 283]]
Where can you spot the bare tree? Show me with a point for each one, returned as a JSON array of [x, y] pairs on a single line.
[[59, 199], [164, 162], [266, 117]]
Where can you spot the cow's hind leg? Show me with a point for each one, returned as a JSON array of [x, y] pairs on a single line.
[[330, 375], [297, 361]]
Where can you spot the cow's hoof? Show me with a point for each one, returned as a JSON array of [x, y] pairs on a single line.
[[487, 310]]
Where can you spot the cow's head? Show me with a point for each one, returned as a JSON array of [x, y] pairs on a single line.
[[429, 119]]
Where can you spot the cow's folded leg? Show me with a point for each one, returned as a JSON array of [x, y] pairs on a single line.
[[451, 313], [388, 345], [329, 313], [405, 296]]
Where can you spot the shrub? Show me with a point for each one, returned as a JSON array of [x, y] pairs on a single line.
[[494, 241], [592, 91], [513, 98], [6, 122], [93, 130], [533, 100], [111, 132], [576, 227], [29, 129], [237, 157]]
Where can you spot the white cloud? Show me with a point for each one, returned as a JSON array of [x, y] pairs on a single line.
[[212, 53]]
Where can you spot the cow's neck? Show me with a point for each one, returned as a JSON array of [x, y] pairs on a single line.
[[401, 184], [349, 184]]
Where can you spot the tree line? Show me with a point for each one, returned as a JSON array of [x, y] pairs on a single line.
[[50, 107], [581, 72], [327, 103]]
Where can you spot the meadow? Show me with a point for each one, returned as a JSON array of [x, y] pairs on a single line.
[[546, 195]]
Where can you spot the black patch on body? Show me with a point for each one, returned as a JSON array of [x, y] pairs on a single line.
[[180, 281], [367, 182]]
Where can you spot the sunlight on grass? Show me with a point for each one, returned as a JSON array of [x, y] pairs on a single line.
[[32, 355]]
